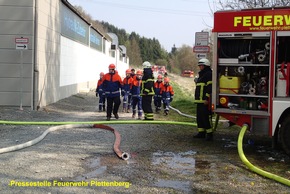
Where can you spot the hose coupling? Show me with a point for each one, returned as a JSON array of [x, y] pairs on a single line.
[[125, 156]]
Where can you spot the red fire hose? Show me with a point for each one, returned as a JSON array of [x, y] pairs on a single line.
[[119, 153]]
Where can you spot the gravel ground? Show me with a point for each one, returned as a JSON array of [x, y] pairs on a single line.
[[164, 158]]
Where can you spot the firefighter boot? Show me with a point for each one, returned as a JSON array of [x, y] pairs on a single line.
[[116, 115], [200, 135], [209, 137]]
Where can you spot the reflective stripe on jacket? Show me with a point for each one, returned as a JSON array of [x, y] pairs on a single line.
[[203, 85], [127, 82], [112, 83], [147, 87]]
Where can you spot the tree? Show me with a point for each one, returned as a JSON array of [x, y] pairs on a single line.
[[186, 59], [133, 52]]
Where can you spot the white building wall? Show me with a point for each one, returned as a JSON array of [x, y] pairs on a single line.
[[66, 67]]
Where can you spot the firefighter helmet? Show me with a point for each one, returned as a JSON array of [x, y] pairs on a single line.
[[159, 76], [139, 72], [204, 62], [128, 71], [146, 64], [166, 80], [112, 66]]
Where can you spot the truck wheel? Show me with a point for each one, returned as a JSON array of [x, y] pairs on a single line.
[[284, 135]]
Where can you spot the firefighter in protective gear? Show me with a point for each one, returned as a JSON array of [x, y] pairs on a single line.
[[147, 91], [202, 99], [167, 95], [112, 83], [127, 82], [136, 98], [133, 73], [157, 97], [101, 93]]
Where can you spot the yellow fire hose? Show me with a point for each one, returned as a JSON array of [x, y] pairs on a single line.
[[251, 166], [69, 124]]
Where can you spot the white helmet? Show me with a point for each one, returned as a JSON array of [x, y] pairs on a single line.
[[146, 64], [204, 62]]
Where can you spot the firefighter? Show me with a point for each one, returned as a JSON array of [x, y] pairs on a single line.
[[133, 73], [157, 97], [100, 93], [202, 99], [112, 83], [147, 91], [127, 81], [136, 98], [167, 95]]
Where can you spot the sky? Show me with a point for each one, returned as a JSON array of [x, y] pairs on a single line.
[[173, 22]]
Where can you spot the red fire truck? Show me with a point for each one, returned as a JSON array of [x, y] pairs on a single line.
[[251, 70]]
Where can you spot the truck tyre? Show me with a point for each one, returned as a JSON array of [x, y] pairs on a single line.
[[284, 135]]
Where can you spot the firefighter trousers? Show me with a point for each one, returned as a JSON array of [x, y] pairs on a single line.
[[113, 104], [203, 118], [147, 108]]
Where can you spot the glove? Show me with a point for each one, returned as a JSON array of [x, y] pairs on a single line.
[[123, 93], [96, 94], [171, 99]]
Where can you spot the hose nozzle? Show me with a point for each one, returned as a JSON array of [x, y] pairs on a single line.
[[125, 156]]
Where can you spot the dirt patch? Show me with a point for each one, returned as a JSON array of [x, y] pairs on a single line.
[[164, 158]]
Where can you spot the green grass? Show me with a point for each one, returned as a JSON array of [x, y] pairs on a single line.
[[182, 101]]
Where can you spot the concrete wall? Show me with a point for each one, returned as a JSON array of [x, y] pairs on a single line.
[[54, 66], [16, 21], [47, 52]]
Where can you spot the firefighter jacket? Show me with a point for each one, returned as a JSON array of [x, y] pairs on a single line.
[[203, 85], [157, 87], [167, 92], [99, 88], [127, 82], [136, 87], [147, 86], [112, 83]]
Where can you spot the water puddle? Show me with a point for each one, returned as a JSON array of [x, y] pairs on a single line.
[[229, 143], [182, 162], [98, 166], [184, 186], [96, 169]]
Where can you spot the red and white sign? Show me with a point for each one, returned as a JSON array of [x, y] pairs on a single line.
[[201, 49], [21, 40], [21, 43]]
